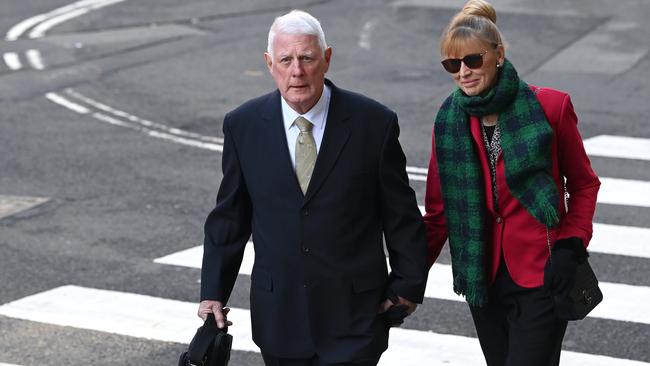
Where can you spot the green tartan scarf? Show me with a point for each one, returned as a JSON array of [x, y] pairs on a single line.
[[526, 146]]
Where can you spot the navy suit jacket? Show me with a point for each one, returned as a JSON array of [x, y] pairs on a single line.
[[320, 269]]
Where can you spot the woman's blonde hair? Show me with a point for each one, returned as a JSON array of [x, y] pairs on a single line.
[[477, 20]]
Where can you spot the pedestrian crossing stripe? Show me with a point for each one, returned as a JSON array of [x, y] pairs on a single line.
[[616, 239], [621, 301], [625, 192], [618, 147], [621, 240], [169, 320]]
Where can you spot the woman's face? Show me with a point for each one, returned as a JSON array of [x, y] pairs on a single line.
[[477, 80]]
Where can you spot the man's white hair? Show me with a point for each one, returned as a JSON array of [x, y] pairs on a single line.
[[296, 22]]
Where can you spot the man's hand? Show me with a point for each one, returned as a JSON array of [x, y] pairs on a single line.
[[401, 301], [216, 307]]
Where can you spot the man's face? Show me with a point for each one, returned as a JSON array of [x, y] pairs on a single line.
[[298, 67]]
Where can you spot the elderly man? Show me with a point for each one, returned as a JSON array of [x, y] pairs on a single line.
[[317, 175]]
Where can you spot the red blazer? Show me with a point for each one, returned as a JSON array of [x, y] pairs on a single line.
[[512, 230]]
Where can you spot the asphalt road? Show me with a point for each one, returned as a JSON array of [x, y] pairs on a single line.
[[110, 126]]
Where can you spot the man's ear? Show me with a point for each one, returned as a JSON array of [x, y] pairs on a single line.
[[269, 60], [328, 56]]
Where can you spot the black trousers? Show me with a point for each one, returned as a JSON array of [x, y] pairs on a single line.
[[314, 361], [518, 325]]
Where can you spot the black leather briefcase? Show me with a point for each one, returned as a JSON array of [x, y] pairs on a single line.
[[209, 347]]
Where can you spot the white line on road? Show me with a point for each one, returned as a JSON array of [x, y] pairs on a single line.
[[625, 192], [41, 28], [12, 60], [615, 239], [11, 205], [618, 147], [621, 240], [161, 135], [621, 302], [122, 313], [56, 98], [419, 178], [175, 321], [17, 30], [43, 22], [146, 123], [34, 58], [416, 170], [614, 191]]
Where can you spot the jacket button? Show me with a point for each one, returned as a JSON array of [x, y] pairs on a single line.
[[499, 220], [305, 212], [305, 250]]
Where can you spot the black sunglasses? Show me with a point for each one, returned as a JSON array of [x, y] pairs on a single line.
[[473, 61]]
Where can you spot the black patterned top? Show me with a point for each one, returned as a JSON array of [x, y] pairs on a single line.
[[492, 140]]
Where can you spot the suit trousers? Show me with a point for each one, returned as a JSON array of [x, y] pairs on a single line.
[[518, 325], [270, 360]]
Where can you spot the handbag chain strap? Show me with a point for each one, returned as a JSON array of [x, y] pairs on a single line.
[[566, 210]]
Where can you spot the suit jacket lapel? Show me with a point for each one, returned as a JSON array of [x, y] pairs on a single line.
[[273, 128], [334, 139]]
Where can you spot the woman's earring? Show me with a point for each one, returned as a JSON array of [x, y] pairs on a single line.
[[498, 65]]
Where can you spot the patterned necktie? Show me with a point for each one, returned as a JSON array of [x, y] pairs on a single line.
[[305, 152]]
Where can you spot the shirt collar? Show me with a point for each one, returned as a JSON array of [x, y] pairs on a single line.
[[314, 115]]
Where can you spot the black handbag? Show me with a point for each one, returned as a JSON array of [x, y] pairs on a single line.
[[209, 347], [583, 296]]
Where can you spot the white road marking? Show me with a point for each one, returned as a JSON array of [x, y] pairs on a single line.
[[618, 147], [122, 313], [613, 191], [11, 205], [621, 240], [17, 30], [625, 192], [416, 170], [161, 135], [419, 178], [12, 60], [56, 98], [39, 30], [43, 22], [615, 239], [176, 321], [34, 58], [364, 36], [621, 302], [146, 123]]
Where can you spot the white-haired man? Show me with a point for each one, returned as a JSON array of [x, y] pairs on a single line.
[[317, 175]]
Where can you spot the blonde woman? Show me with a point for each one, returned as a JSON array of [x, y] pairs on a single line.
[[502, 152]]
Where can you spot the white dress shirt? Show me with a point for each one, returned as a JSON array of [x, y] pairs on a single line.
[[317, 115]]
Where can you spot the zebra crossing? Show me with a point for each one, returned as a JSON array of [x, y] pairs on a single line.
[[137, 315]]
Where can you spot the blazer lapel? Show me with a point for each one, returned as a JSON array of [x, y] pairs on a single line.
[[334, 139], [277, 140]]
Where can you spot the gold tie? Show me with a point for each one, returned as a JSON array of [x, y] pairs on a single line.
[[305, 152]]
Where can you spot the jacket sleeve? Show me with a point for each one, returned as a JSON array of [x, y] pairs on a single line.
[[434, 218], [582, 184], [227, 227], [402, 221]]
